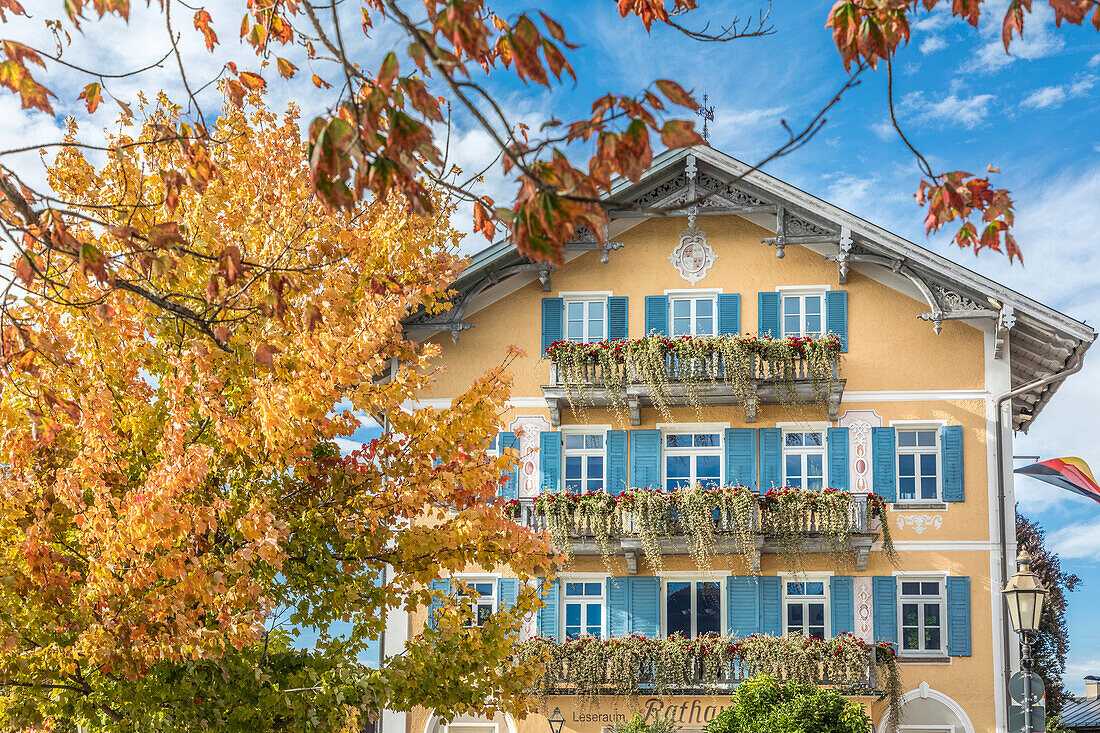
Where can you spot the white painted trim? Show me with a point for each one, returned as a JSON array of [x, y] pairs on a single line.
[[691, 427], [949, 546], [921, 573], [583, 429], [801, 288], [810, 577], [938, 452], [579, 577], [802, 427], [919, 424], [927, 728], [925, 691], [914, 395], [584, 294], [692, 576], [801, 576], [681, 292]]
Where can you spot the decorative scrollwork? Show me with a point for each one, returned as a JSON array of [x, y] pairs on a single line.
[[953, 301], [662, 191], [795, 226]]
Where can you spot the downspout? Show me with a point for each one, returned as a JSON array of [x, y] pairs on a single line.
[[1002, 516]]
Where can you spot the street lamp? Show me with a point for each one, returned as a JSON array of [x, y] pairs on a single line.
[[1025, 595], [556, 721]]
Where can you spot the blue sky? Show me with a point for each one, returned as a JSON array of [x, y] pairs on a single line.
[[962, 100]]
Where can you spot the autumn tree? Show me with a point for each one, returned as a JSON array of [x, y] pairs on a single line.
[[173, 503], [1052, 642], [383, 135]]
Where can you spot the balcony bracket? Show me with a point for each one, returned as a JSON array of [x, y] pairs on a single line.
[[834, 403], [555, 412], [754, 556], [631, 562], [863, 551], [750, 409], [635, 406]]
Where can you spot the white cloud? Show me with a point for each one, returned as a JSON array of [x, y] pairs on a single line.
[[932, 44], [969, 112], [940, 17], [1094, 61], [1076, 541], [884, 130], [1055, 96], [1040, 38]]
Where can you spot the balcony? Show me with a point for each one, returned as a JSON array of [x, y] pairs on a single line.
[[590, 667], [710, 376], [778, 523]]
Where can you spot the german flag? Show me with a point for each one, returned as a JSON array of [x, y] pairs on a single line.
[[1072, 474]]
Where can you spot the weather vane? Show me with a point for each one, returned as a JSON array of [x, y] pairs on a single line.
[[707, 113]]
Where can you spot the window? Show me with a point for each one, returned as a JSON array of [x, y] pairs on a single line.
[[804, 460], [692, 316], [918, 465], [584, 320], [583, 610], [803, 314], [484, 604], [693, 608], [922, 616], [693, 458], [805, 608], [583, 462]]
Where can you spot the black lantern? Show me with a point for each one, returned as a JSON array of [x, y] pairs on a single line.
[[556, 721], [1024, 594]]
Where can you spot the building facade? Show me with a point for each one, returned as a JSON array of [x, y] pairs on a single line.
[[907, 404]]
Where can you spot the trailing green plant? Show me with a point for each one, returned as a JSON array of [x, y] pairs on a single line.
[[693, 363], [711, 520], [634, 665]]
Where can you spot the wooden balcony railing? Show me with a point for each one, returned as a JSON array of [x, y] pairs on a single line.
[[701, 380]]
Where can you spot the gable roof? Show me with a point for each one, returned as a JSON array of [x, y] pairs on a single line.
[[1080, 713], [1041, 341]]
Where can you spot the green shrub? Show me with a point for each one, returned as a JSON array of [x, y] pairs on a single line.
[[763, 704], [637, 724]]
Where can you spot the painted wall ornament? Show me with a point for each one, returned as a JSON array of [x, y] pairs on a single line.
[[527, 429], [693, 256], [920, 522]]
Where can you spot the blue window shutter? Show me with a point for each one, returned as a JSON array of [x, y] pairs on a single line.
[[550, 461], [836, 315], [883, 463], [547, 616], [617, 318], [742, 605], [771, 459], [771, 606], [951, 450], [729, 314], [656, 315], [443, 585], [838, 458], [553, 313], [618, 607], [884, 589], [741, 457], [645, 459], [843, 606], [510, 490], [767, 315], [618, 477], [958, 617], [507, 591], [645, 606]]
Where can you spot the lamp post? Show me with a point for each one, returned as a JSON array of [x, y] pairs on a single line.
[[1024, 595], [556, 721]]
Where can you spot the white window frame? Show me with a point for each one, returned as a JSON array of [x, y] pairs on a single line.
[[563, 600], [584, 297], [825, 597], [690, 429], [600, 430], [694, 296], [694, 578], [933, 426], [815, 427], [801, 291], [940, 578], [476, 578]]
